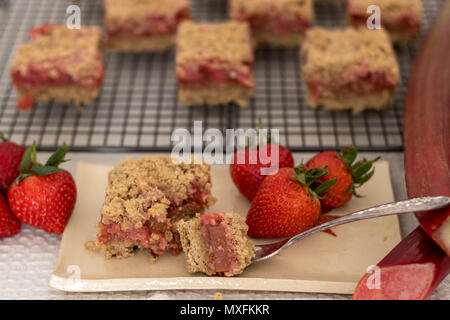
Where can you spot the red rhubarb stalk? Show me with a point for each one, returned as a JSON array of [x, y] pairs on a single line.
[[411, 271], [427, 128]]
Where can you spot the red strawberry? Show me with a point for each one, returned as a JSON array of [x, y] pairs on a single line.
[[285, 204], [248, 177], [9, 224], [349, 175], [10, 157], [43, 196]]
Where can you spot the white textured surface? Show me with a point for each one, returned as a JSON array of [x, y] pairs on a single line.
[[27, 260]]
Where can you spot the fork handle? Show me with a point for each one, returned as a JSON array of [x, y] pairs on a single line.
[[405, 206]]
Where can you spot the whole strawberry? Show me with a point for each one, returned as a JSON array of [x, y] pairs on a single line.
[[247, 170], [349, 175], [43, 196], [285, 203], [9, 224], [10, 156]]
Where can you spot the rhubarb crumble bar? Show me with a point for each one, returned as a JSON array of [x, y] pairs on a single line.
[[143, 25], [214, 63], [61, 64], [216, 244], [276, 22], [144, 198], [401, 18], [349, 68]]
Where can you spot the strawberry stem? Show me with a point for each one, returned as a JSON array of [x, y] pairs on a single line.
[[29, 165], [308, 177], [361, 171], [2, 137]]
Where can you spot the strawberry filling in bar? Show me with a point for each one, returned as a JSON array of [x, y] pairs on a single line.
[[216, 244], [143, 25], [144, 199], [57, 63], [273, 22], [221, 251], [363, 81], [215, 71], [152, 25]]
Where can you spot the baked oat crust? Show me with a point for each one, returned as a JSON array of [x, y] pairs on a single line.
[[212, 95], [77, 95], [358, 103]]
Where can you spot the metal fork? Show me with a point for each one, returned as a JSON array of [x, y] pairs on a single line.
[[267, 251]]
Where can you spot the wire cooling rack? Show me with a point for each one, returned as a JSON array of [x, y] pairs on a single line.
[[137, 109]]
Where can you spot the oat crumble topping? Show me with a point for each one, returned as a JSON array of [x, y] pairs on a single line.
[[335, 54], [228, 42], [288, 8], [78, 48], [145, 188]]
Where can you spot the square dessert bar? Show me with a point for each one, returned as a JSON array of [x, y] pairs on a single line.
[[349, 68], [58, 64], [401, 18], [144, 198], [276, 22], [216, 244], [214, 63], [143, 25]]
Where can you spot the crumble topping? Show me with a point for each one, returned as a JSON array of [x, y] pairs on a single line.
[[142, 189], [337, 56], [138, 10], [288, 8], [226, 43], [56, 50]]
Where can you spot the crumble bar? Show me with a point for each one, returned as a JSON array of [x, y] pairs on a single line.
[[61, 64], [276, 22], [401, 18], [143, 25], [214, 63], [349, 68], [144, 198], [216, 244]]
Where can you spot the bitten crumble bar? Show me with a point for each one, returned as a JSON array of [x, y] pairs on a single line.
[[143, 25], [61, 64], [214, 63], [401, 18], [143, 200], [349, 68], [216, 244], [276, 22]]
